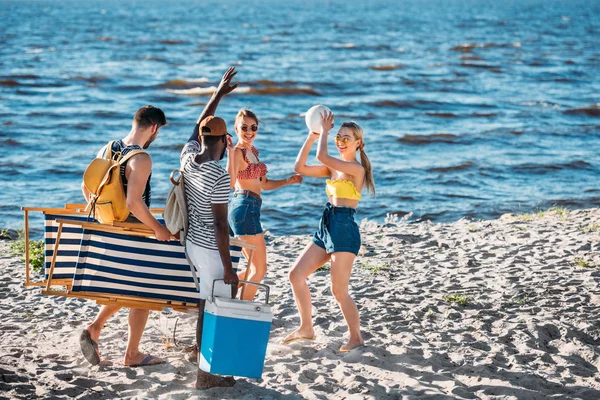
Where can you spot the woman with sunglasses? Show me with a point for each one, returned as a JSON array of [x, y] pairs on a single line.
[[338, 239], [248, 177]]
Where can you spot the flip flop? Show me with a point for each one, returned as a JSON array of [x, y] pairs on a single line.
[[89, 348], [297, 339], [148, 360], [343, 350]]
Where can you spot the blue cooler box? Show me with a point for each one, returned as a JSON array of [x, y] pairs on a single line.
[[235, 336]]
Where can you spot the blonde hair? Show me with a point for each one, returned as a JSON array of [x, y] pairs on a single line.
[[244, 112], [364, 160]]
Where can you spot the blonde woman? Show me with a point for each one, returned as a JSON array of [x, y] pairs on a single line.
[[338, 238], [249, 177]]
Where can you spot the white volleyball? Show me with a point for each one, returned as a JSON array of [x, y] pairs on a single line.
[[313, 117]]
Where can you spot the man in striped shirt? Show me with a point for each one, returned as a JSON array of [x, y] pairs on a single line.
[[207, 195]]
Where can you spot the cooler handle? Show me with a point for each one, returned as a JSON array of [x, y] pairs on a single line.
[[266, 287]]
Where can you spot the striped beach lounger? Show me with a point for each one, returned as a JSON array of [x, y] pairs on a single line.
[[66, 258], [118, 264], [102, 264]]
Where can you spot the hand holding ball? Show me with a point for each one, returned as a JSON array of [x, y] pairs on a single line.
[[313, 117]]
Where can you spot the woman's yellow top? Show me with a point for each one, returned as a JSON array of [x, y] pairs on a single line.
[[342, 189]]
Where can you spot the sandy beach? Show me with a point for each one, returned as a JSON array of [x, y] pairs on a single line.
[[500, 309]]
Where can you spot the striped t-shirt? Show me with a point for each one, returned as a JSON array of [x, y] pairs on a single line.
[[205, 184]]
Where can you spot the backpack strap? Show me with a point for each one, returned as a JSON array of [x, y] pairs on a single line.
[[132, 153], [108, 154]]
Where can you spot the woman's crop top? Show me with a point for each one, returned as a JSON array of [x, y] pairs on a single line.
[[342, 189], [252, 171]]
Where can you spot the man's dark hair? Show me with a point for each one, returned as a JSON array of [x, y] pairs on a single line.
[[147, 116]]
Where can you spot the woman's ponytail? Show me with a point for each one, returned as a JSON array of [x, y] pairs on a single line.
[[364, 160]]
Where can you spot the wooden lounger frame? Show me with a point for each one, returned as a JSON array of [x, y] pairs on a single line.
[[124, 228]]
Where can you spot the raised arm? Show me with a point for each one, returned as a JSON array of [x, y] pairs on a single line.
[[225, 87], [347, 167], [316, 171]]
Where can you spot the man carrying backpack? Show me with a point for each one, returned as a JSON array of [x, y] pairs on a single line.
[[135, 175]]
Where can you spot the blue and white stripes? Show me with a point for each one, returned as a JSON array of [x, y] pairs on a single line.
[[117, 264], [68, 252]]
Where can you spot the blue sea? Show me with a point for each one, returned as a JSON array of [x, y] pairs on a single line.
[[470, 108]]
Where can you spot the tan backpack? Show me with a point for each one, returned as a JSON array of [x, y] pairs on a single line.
[[102, 178]]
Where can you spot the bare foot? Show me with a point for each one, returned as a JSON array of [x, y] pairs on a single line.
[[299, 334], [204, 380], [351, 345], [94, 333]]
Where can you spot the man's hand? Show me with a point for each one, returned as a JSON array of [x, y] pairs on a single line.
[[231, 278], [162, 234], [294, 179], [225, 87]]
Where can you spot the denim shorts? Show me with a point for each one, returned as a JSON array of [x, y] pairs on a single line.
[[244, 213], [337, 230]]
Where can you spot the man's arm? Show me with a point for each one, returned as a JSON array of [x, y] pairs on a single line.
[[224, 88], [222, 237], [137, 173]]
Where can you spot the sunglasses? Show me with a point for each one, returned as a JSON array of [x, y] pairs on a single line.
[[254, 128], [343, 139]]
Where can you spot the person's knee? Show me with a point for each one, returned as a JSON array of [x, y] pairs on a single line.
[[295, 276], [340, 292]]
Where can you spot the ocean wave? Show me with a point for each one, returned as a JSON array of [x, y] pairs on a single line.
[[275, 90], [20, 76], [172, 42], [491, 68], [470, 58], [540, 169], [441, 115], [9, 82], [197, 91], [11, 164], [10, 142], [541, 104], [63, 171], [404, 103], [182, 83], [263, 91], [37, 114], [469, 47], [459, 167], [352, 117], [267, 82], [592, 110], [389, 67], [429, 139], [80, 126], [177, 147], [90, 79]]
